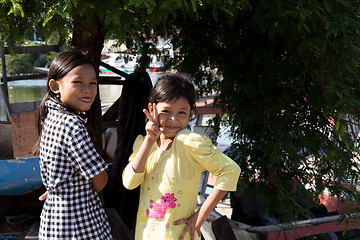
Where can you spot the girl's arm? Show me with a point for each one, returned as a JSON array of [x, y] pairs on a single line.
[[139, 161], [197, 220], [153, 132], [99, 181]]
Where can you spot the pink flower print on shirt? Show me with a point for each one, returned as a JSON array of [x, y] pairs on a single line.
[[157, 210]]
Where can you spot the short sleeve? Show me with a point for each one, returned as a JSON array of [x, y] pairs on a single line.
[[130, 178], [83, 155], [210, 158]]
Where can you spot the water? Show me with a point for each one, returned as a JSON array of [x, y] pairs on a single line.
[[26, 90]]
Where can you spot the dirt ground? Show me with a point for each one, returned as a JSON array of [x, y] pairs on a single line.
[[18, 213], [15, 226]]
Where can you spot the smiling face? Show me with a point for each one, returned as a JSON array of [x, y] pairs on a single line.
[[174, 116], [78, 88]]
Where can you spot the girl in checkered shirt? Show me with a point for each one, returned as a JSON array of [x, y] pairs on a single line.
[[71, 169]]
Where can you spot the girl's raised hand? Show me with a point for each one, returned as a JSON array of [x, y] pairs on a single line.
[[152, 127]]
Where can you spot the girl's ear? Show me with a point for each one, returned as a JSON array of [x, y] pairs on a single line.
[[192, 114], [54, 86]]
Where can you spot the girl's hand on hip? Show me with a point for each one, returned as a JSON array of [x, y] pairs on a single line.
[[192, 224], [44, 196], [153, 129]]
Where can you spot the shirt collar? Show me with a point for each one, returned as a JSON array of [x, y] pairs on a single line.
[[53, 104]]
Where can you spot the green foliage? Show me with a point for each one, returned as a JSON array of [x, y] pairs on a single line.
[[21, 63], [285, 71], [25, 63]]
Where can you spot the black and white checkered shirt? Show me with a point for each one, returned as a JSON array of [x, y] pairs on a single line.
[[68, 162]]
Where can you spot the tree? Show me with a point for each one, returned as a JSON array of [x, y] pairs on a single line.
[[286, 72], [289, 81]]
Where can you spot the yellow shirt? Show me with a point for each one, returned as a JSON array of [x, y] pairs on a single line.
[[170, 182]]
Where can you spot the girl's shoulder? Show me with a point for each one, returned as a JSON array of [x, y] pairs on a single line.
[[138, 141], [192, 139], [68, 120]]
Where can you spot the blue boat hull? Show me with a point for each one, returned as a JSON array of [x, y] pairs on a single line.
[[19, 176]]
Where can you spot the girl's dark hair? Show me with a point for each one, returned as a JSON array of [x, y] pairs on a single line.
[[172, 87], [62, 64]]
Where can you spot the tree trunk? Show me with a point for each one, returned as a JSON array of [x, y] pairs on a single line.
[[92, 44]]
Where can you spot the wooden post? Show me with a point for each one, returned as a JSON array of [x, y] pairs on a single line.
[[4, 87]]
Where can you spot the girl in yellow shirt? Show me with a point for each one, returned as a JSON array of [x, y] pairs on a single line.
[[167, 163]]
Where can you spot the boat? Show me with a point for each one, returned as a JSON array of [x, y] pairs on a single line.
[[19, 176], [127, 64], [20, 171]]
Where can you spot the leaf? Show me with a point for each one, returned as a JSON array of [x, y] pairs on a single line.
[[345, 229], [327, 23], [327, 4], [337, 125], [165, 4], [49, 16], [339, 94], [342, 129], [75, 3], [226, 10], [193, 4]]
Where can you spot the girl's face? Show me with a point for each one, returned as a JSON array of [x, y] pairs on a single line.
[[174, 116], [78, 88]]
